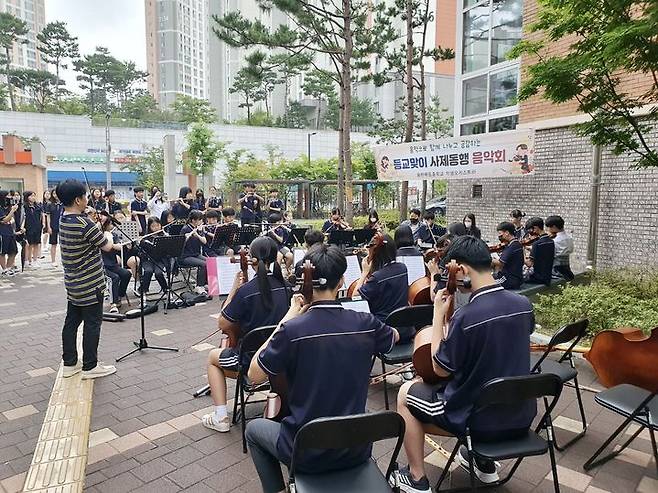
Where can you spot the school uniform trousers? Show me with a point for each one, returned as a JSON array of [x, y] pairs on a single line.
[[120, 278]]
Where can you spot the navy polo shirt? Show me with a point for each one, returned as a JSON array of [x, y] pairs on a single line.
[[180, 211], [325, 355], [193, 245], [139, 206], [542, 253], [283, 233], [113, 207], [250, 208], [409, 251], [427, 236], [55, 211], [386, 290], [275, 205], [215, 202], [99, 205], [519, 232], [488, 338], [511, 273], [33, 218]]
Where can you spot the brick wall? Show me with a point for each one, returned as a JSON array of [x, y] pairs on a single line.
[[628, 225]]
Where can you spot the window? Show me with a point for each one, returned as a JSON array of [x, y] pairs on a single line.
[[506, 27], [476, 39], [473, 128], [474, 96], [476, 192], [502, 89], [505, 123]]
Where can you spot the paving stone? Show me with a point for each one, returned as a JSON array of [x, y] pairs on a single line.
[[183, 456], [189, 475], [647, 485], [40, 371], [153, 470], [158, 431], [103, 435], [162, 332], [100, 452], [162, 485], [20, 412], [13, 484], [129, 441], [122, 483]]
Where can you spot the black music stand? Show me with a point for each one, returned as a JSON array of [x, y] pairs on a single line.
[[174, 229], [225, 235], [341, 238], [248, 233], [363, 236], [296, 236], [166, 248]]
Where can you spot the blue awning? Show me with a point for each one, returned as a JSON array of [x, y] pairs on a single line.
[[119, 178]]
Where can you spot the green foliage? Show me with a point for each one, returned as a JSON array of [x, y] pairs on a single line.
[[294, 117], [189, 109], [150, 169], [440, 122], [257, 119], [56, 45], [320, 85], [203, 150], [12, 30], [613, 299], [608, 41], [249, 87], [390, 218], [3, 97], [363, 114], [40, 85]]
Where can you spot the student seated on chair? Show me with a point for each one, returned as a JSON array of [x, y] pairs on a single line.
[[119, 276], [563, 247], [151, 264], [192, 251], [262, 301], [404, 241], [542, 253], [325, 353], [280, 234], [486, 339], [509, 264], [311, 237]]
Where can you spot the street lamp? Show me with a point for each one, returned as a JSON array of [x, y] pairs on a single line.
[[108, 169], [309, 146]]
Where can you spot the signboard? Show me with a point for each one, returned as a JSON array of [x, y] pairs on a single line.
[[493, 155]]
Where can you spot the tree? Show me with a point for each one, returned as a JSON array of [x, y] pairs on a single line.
[[141, 106], [603, 43], [191, 110], [320, 86], [363, 114], [3, 97], [120, 78], [39, 84], [150, 169], [56, 45], [93, 76], [289, 66], [258, 67], [248, 85], [11, 31], [72, 105], [439, 120], [294, 117], [203, 150]]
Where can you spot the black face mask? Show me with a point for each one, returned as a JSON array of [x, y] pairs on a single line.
[[413, 221], [500, 238]]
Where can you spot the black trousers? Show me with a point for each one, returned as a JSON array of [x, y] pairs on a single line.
[[120, 279], [92, 317], [564, 271], [201, 273], [151, 268]]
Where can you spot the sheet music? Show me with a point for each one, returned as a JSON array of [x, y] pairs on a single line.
[[353, 271], [130, 231], [298, 255], [415, 267], [221, 274], [357, 306]]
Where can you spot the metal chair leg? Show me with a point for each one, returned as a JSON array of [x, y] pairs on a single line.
[[243, 420], [446, 469], [655, 448], [385, 386], [583, 420], [593, 461], [551, 453], [235, 399]]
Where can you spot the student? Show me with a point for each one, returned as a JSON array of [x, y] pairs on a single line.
[[486, 339], [33, 225], [428, 232], [311, 237], [152, 265], [404, 241], [55, 211], [471, 228], [542, 253], [45, 204], [119, 277], [81, 243], [275, 204], [214, 202], [268, 291], [384, 283], [158, 203], [250, 204], [229, 228], [199, 203], [563, 247], [183, 205], [280, 234], [413, 222], [192, 252], [112, 205], [8, 246], [335, 222], [509, 265], [167, 218], [457, 229], [516, 218], [373, 221], [212, 223], [317, 346], [139, 209]]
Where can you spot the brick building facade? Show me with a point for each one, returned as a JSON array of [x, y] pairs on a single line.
[[628, 205]]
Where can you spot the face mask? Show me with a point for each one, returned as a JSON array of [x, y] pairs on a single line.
[[373, 219], [468, 224], [500, 238], [413, 221]]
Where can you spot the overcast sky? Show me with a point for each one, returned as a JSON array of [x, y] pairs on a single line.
[[117, 24]]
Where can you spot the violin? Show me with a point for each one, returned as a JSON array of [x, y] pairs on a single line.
[[420, 289], [529, 239], [375, 245], [497, 248], [422, 356]]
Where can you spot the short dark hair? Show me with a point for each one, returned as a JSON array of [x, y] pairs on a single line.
[[313, 236], [522, 146], [506, 226], [517, 214], [69, 190], [555, 222], [275, 217], [152, 220], [457, 229], [415, 210], [329, 262], [228, 211], [182, 193], [109, 192], [249, 184], [335, 211], [212, 213], [404, 236], [470, 251], [195, 215], [429, 215], [534, 222], [138, 189], [165, 216]]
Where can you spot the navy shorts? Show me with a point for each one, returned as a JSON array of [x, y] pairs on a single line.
[[53, 237], [8, 245], [426, 404], [33, 237], [229, 359]]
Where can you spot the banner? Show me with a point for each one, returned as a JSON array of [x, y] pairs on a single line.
[[493, 155]]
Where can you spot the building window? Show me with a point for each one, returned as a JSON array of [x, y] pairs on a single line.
[[475, 54], [474, 96], [473, 128], [506, 27], [476, 192], [504, 123], [503, 89]]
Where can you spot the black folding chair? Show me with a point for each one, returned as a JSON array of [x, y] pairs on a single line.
[[346, 432], [507, 393], [636, 405], [408, 320], [564, 367]]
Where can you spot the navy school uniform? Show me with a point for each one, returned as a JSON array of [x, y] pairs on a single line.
[[275, 205], [284, 233], [510, 276], [180, 211], [119, 276], [409, 251], [386, 290], [250, 212], [488, 338], [54, 217], [325, 355], [193, 246], [426, 234], [330, 226], [542, 253], [113, 207], [33, 223], [215, 203], [7, 234], [140, 206]]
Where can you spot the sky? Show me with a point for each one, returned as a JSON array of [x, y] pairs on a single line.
[[117, 24]]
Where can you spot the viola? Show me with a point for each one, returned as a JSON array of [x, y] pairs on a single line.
[[422, 356], [375, 245], [497, 248], [306, 283], [625, 355], [420, 289]]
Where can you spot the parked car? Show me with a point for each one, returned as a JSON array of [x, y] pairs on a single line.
[[437, 206]]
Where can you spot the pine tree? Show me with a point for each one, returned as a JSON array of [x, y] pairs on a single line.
[[56, 45]]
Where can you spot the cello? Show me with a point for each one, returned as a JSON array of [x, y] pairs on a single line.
[[230, 336], [422, 356]]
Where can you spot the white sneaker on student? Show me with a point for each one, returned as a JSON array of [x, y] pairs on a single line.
[[222, 425], [69, 371], [114, 308], [98, 371], [200, 290]]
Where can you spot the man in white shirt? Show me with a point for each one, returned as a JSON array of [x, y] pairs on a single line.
[[563, 247]]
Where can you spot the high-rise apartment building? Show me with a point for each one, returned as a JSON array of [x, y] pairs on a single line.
[[177, 49], [33, 12]]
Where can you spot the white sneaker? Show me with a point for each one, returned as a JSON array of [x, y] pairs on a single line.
[[200, 290], [223, 425], [114, 308], [98, 371], [69, 371]]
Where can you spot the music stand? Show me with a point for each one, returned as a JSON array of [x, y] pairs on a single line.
[[174, 229], [248, 233], [225, 235], [363, 236], [165, 248], [296, 236], [341, 238]]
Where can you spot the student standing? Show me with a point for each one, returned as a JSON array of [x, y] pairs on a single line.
[[471, 228], [428, 232], [250, 202], [112, 205], [214, 202], [33, 225], [157, 204], [516, 218], [275, 204], [55, 211], [200, 201], [542, 253], [45, 204], [413, 222], [183, 205], [8, 246], [81, 243], [139, 209]]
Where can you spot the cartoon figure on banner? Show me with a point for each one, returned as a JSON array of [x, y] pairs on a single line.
[[521, 159], [384, 166]]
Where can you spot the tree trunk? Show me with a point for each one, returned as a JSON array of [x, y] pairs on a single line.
[[248, 110], [347, 113], [10, 87], [57, 83], [267, 106], [317, 123], [91, 97], [409, 129], [340, 199], [423, 116]]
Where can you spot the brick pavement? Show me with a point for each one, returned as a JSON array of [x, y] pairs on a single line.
[[146, 434]]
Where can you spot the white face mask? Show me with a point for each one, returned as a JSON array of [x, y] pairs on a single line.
[[468, 224], [373, 219]]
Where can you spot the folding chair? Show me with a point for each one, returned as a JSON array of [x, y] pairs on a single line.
[[636, 405], [408, 320], [510, 392], [564, 368], [345, 432]]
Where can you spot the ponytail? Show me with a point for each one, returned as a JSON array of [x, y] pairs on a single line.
[[265, 250], [264, 285]]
